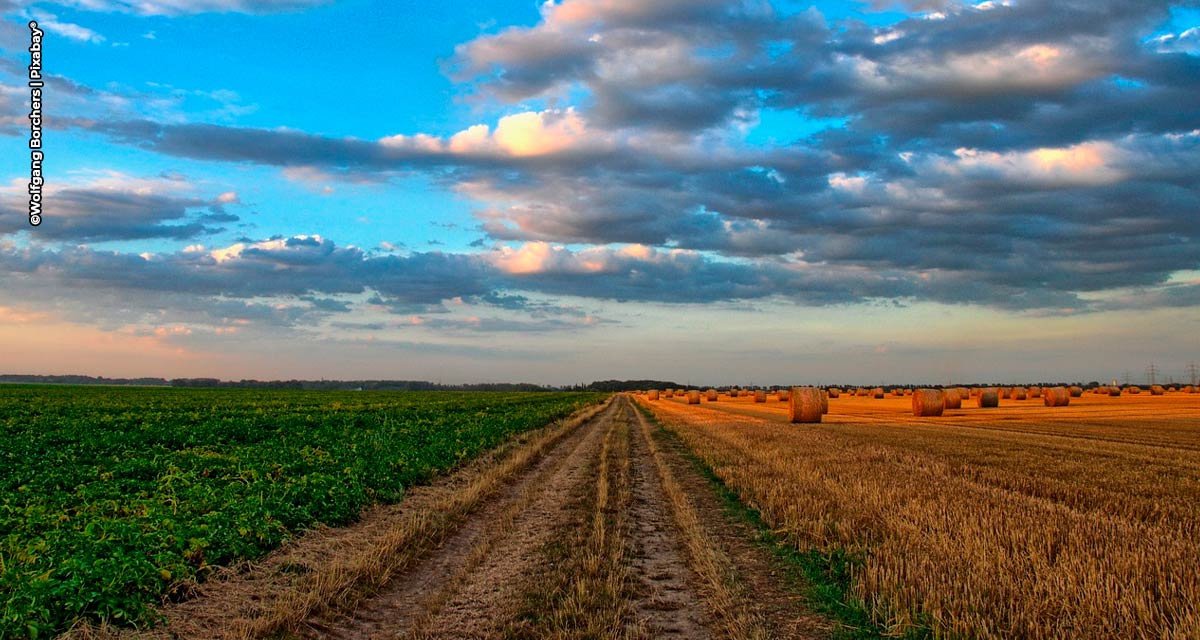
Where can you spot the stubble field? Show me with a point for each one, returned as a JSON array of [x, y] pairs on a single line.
[[1018, 521]]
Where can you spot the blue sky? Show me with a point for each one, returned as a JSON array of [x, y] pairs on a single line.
[[722, 191]]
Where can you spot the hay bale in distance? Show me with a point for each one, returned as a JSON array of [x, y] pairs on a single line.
[[877, 393], [1035, 392], [1156, 390], [693, 397], [1133, 390], [733, 393], [1056, 397], [929, 402], [1075, 391], [835, 392], [1114, 391], [1018, 393], [784, 395], [988, 398], [652, 394], [950, 400], [804, 404], [760, 396], [711, 395], [824, 402]]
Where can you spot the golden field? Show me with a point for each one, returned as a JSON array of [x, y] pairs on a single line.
[[1020, 521]]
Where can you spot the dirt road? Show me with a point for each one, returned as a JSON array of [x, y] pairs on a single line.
[[597, 528]]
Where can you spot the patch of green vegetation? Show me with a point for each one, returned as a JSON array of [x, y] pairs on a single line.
[[112, 499]]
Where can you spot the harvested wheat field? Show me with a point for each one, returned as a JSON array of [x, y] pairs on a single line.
[[1021, 521]]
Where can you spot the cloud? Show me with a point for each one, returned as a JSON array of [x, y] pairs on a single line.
[[112, 206], [1186, 41], [995, 153], [50, 23], [182, 7]]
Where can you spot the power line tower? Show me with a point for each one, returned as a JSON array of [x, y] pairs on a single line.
[[1191, 369], [1151, 371], [1127, 378]]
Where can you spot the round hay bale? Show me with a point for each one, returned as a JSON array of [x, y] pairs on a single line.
[[824, 402], [898, 392], [652, 394], [908, 392], [1035, 392], [693, 397], [1017, 393], [1156, 390], [784, 395], [1133, 390], [711, 395], [1056, 397], [988, 398], [835, 392], [950, 400], [861, 392], [928, 402], [733, 393], [963, 394], [804, 405], [760, 396], [1114, 391], [1075, 391], [877, 393]]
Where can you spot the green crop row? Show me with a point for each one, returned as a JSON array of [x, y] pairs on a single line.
[[112, 498]]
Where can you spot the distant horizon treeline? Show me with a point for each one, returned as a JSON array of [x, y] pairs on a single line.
[[424, 385], [332, 385]]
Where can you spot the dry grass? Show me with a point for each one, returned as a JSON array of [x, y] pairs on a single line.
[[722, 591], [584, 593], [1020, 521]]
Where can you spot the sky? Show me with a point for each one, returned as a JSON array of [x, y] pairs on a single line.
[[704, 191]]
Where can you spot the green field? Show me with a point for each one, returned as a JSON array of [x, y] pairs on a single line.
[[111, 497]]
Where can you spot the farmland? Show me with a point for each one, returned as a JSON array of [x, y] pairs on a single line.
[[1020, 521], [113, 498], [126, 508]]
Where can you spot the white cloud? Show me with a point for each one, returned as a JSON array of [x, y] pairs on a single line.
[[51, 24], [182, 7]]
